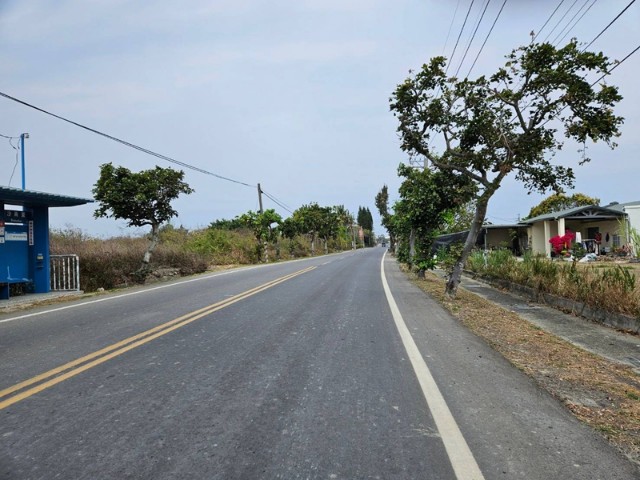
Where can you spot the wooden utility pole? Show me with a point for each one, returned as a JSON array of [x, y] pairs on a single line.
[[260, 198]]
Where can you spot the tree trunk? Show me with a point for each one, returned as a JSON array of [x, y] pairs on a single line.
[[313, 244], [412, 246], [476, 226], [146, 259], [326, 246]]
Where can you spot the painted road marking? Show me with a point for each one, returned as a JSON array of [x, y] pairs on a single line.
[[73, 368], [462, 460], [129, 294]]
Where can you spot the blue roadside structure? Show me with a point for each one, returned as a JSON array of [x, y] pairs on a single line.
[[24, 237]]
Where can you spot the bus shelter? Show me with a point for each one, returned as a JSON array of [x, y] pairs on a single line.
[[24, 237]]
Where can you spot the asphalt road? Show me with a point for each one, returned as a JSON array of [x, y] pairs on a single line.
[[300, 370]]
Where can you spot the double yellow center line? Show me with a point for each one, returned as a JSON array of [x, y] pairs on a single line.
[[20, 391]]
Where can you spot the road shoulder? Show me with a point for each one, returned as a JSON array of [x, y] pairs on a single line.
[[503, 413]]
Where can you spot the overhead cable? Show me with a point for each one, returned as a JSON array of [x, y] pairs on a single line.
[[459, 35], [473, 36], [610, 23], [576, 22], [602, 76], [548, 20], [277, 202], [455, 12], [561, 19], [617, 65], [128, 144], [486, 38]]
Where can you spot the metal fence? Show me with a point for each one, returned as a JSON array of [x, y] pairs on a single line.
[[65, 273]]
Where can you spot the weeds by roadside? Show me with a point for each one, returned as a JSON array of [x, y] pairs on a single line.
[[112, 262], [613, 289]]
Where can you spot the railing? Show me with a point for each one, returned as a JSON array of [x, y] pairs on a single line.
[[65, 273]]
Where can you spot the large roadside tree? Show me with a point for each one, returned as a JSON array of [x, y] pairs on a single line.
[[365, 220], [386, 217], [141, 198], [317, 222], [427, 200], [264, 226], [508, 123]]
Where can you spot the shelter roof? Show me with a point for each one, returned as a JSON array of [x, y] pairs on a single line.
[[30, 198]]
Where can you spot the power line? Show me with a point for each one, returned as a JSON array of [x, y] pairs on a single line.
[[610, 23], [455, 12], [450, 60], [617, 65], [577, 21], [459, 35], [568, 24], [487, 37], [128, 144], [277, 202], [561, 19], [603, 75], [17, 149], [548, 20], [473, 36]]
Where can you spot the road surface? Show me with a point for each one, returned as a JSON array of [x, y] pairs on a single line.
[[327, 368]]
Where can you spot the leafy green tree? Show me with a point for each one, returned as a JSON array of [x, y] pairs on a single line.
[[426, 198], [225, 224], [459, 219], [263, 228], [365, 220], [290, 228], [317, 222], [309, 220], [345, 225], [507, 123], [386, 217], [141, 198], [560, 201]]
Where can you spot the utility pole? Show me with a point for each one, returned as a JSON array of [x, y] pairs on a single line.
[[22, 137], [260, 198]]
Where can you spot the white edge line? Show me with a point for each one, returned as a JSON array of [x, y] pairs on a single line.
[[462, 460]]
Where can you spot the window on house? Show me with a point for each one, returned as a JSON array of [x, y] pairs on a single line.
[[616, 240]]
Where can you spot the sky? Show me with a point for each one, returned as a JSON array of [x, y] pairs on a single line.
[[291, 94]]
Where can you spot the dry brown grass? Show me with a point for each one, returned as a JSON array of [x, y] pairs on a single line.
[[601, 393]]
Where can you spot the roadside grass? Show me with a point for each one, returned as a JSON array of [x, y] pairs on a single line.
[[113, 262], [599, 392], [611, 286]]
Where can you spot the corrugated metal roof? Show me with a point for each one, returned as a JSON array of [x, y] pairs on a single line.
[[570, 212], [30, 198], [620, 206]]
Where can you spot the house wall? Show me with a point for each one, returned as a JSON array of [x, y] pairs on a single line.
[[537, 235], [541, 232], [499, 238], [633, 213]]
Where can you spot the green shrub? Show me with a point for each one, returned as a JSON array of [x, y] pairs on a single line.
[[613, 289]]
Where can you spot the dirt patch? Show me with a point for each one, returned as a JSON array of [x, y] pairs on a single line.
[[599, 392]]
